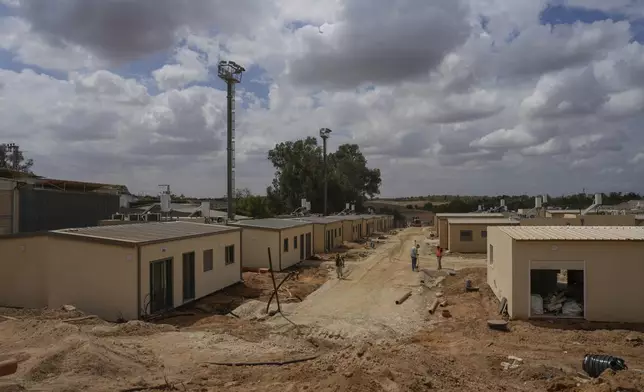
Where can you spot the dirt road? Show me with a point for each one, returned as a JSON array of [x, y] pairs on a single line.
[[362, 305]]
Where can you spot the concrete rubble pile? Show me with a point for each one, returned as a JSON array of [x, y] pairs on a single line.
[[556, 304]]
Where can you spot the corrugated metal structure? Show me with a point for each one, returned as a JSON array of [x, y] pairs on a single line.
[[574, 233], [47, 209]]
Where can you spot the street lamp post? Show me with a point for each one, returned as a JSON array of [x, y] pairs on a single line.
[[324, 134], [231, 73]]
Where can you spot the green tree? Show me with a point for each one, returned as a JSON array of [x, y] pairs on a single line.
[[299, 174], [428, 206], [251, 205]]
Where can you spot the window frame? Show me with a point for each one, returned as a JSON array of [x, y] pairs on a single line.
[[229, 254], [210, 261], [466, 238], [285, 245]]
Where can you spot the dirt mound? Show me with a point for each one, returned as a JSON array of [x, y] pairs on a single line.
[[354, 254], [34, 332], [82, 358], [132, 328], [251, 310], [611, 381]]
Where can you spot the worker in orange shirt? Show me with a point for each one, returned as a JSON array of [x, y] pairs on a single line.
[[439, 256]]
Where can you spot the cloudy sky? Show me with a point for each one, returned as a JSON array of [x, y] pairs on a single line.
[[444, 96]]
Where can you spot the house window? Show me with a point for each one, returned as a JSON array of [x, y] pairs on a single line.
[[207, 260], [491, 255], [230, 254], [285, 244], [466, 235], [295, 242], [483, 233]]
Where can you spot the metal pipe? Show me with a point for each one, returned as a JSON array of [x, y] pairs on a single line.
[[403, 298], [230, 148], [433, 306], [325, 177], [277, 297]]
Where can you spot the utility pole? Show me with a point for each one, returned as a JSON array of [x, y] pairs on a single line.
[[15, 156], [324, 134], [231, 73]]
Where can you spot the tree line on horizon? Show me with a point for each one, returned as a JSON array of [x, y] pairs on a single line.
[[299, 174]]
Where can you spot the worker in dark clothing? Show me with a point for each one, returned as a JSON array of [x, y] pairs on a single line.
[[414, 256], [339, 265]]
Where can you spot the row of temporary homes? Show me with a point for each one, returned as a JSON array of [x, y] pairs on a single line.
[[585, 272], [132, 270]]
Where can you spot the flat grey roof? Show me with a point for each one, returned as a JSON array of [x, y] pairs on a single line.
[[144, 233], [469, 215], [270, 223], [574, 233], [482, 221], [350, 217], [320, 219]]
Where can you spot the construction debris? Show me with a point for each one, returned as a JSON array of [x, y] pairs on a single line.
[[433, 306], [403, 298], [271, 363], [499, 325], [515, 363], [556, 304]]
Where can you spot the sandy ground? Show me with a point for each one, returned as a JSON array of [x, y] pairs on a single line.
[[362, 340], [362, 304]]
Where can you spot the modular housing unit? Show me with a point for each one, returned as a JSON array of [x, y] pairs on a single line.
[[467, 235], [352, 227], [327, 232], [290, 242], [369, 225], [441, 226], [119, 272], [541, 269]]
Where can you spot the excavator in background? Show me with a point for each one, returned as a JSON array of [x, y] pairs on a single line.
[[415, 222]]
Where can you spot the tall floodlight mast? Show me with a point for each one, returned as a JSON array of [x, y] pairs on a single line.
[[324, 134], [231, 73]]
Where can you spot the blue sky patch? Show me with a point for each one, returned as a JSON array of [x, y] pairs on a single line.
[[8, 61], [559, 14]]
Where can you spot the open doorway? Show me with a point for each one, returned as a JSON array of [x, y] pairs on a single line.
[[558, 293], [161, 285]]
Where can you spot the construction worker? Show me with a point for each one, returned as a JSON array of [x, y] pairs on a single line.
[[414, 256], [339, 264], [439, 256]]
